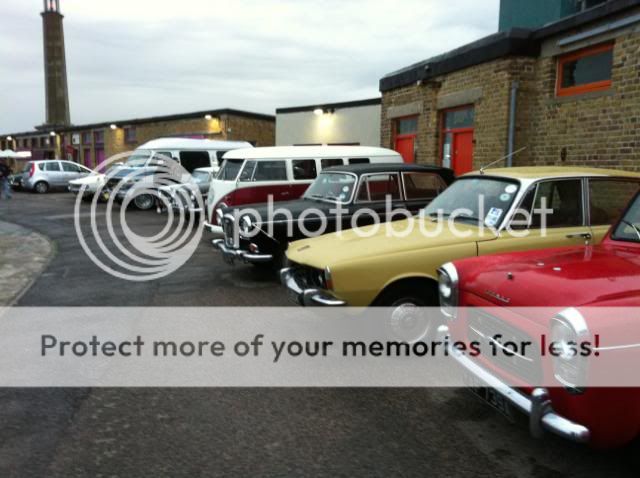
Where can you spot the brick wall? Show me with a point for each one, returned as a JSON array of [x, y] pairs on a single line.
[[594, 129], [488, 85], [598, 129], [242, 128]]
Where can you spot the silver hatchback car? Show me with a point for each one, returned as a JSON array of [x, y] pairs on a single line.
[[44, 175]]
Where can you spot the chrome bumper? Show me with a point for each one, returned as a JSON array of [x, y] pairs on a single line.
[[232, 255], [307, 297], [537, 406], [217, 230]]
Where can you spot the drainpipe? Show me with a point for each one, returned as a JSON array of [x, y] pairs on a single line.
[[512, 122]]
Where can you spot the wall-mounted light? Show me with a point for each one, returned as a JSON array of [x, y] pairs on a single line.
[[208, 117], [9, 138], [53, 133], [323, 111], [113, 127]]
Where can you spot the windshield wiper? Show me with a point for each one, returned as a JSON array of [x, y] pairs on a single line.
[[632, 226], [323, 198], [436, 215]]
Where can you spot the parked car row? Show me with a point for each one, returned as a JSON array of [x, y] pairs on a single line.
[[473, 264]]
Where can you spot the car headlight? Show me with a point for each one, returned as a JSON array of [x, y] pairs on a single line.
[[448, 289], [568, 329]]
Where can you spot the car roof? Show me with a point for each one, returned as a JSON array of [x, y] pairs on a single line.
[[189, 143], [388, 168], [542, 172], [310, 152]]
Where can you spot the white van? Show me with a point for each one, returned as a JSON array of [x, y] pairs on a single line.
[[190, 153], [250, 176]]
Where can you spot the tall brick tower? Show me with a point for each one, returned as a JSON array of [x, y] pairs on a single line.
[[55, 67]]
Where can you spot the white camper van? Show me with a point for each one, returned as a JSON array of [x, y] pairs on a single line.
[[250, 176]]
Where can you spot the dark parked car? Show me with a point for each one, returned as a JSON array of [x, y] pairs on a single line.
[[260, 239]]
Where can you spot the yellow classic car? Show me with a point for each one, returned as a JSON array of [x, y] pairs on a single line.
[[378, 266]]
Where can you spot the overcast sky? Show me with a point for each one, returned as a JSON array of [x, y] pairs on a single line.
[[136, 58]]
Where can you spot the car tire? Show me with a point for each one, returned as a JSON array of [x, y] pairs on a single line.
[[41, 187], [408, 320], [144, 202]]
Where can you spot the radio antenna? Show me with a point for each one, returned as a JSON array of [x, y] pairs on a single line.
[[501, 159]]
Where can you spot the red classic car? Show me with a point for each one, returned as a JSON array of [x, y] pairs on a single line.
[[487, 295]]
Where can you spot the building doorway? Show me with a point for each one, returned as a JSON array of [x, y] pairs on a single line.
[[405, 132], [457, 139]]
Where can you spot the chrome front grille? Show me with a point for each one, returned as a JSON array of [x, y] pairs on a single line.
[[486, 329], [227, 229]]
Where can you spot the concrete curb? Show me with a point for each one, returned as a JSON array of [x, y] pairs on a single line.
[[24, 255]]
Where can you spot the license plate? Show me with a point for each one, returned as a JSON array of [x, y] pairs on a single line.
[[489, 396]]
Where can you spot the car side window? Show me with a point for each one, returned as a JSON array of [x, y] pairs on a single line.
[[563, 199], [328, 163], [304, 169], [70, 168], [247, 171], [270, 171], [192, 160], [377, 187], [422, 185], [359, 160], [52, 166], [608, 199]]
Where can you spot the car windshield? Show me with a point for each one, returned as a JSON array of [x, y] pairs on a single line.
[[629, 227], [230, 169], [200, 176], [475, 200], [138, 159], [334, 187]]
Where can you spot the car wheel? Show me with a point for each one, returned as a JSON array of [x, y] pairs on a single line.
[[144, 202], [41, 187], [408, 320]]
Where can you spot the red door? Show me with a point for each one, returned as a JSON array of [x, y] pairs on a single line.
[[100, 158], [86, 154], [462, 157], [405, 146]]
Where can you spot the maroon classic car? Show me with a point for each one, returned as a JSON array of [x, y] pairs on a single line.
[[485, 297]]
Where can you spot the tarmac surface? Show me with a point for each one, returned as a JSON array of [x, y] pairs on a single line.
[[225, 432]]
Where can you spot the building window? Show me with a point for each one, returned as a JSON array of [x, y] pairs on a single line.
[[130, 134], [34, 142], [86, 137], [585, 71], [98, 137], [3, 145]]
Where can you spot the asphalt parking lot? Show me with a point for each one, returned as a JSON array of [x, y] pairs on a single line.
[[275, 432]]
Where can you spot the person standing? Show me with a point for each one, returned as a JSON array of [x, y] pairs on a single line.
[[5, 187]]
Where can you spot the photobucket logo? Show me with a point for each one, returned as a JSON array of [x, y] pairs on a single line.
[[394, 222], [146, 182]]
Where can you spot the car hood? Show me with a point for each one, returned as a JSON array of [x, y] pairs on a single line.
[[350, 245], [568, 277]]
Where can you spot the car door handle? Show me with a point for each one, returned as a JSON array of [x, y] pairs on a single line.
[[587, 236]]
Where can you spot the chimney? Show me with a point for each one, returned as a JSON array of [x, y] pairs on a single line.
[[55, 68]]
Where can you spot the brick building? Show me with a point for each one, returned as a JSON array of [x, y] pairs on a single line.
[[90, 144], [569, 92]]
